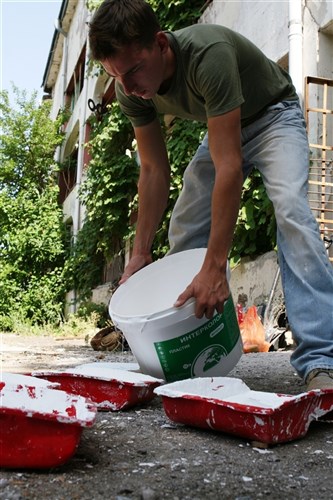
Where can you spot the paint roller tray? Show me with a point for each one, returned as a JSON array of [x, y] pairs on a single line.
[[228, 405], [40, 425], [110, 386]]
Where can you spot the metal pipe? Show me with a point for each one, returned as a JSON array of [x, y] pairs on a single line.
[[82, 138], [58, 27], [296, 46]]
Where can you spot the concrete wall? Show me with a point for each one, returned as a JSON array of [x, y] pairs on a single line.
[[265, 23], [255, 279], [102, 294], [321, 11]]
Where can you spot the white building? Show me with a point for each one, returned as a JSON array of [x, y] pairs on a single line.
[[296, 33]]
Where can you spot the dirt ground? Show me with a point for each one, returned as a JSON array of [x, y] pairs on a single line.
[[141, 454]]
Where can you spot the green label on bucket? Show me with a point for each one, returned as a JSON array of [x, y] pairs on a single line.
[[194, 353]]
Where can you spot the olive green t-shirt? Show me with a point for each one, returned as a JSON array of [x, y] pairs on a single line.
[[217, 70]]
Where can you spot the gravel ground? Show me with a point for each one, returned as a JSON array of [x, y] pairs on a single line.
[[141, 454]]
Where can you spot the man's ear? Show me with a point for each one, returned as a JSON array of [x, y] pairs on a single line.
[[162, 41]]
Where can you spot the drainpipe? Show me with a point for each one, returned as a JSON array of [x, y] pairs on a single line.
[[82, 139], [80, 156], [296, 46], [58, 27]]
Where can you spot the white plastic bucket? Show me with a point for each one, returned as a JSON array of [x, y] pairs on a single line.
[[169, 342]]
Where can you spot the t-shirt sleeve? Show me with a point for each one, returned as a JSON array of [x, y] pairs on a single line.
[[217, 79], [139, 111]]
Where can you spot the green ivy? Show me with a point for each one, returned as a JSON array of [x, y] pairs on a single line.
[[182, 140], [255, 231], [109, 189], [172, 14], [109, 192]]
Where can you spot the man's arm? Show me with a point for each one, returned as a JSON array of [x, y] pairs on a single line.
[[210, 286], [153, 190]]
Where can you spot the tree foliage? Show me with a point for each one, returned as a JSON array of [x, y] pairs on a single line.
[[32, 247]]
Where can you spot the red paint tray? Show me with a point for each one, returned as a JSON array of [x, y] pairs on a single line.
[[228, 405], [40, 425], [110, 388]]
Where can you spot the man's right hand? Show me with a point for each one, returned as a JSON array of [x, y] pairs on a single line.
[[136, 263]]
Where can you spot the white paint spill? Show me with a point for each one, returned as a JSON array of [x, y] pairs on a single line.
[[258, 413], [258, 420], [224, 389], [17, 378], [102, 371], [47, 403], [204, 387], [132, 367]]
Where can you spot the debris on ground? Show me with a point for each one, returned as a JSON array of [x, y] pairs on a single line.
[[108, 339]]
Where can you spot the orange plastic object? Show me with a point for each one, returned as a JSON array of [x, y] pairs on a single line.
[[252, 332]]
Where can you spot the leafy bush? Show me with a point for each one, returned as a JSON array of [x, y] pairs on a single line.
[[6, 323], [32, 237], [100, 311]]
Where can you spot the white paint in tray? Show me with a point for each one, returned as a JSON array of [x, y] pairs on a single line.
[[34, 399], [132, 367], [224, 389], [18, 378], [103, 371]]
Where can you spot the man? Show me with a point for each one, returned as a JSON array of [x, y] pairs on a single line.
[[212, 74]]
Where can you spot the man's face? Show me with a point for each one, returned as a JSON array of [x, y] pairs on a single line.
[[141, 71]]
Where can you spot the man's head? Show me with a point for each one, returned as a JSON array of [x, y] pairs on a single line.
[[126, 38], [120, 23]]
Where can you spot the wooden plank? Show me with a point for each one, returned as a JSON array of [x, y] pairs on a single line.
[[321, 110], [321, 146], [318, 80], [321, 183], [324, 221]]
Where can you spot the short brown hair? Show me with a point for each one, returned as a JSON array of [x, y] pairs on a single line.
[[118, 23]]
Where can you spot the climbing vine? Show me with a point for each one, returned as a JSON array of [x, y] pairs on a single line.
[[109, 192]]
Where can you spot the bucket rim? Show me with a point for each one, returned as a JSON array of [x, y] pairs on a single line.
[[164, 313]]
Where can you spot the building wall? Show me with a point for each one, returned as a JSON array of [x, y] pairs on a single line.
[[321, 11], [266, 23]]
